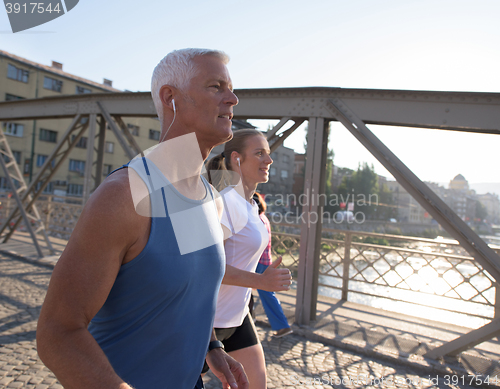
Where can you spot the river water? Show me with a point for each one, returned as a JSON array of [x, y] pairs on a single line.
[[429, 286]]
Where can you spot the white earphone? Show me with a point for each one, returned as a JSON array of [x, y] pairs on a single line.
[[168, 129], [238, 161]]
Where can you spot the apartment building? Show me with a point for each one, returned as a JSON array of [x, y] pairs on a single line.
[[458, 196], [32, 141], [492, 204], [281, 174]]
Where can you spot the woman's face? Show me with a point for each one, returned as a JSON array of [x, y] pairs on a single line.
[[255, 160]]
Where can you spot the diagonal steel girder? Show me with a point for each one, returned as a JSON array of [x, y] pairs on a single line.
[[78, 125], [19, 203], [445, 216], [127, 142], [277, 140], [13, 175], [466, 341]]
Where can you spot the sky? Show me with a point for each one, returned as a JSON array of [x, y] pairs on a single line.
[[385, 44]]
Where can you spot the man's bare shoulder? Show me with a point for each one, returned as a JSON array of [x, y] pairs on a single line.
[[113, 192], [114, 198], [109, 220]]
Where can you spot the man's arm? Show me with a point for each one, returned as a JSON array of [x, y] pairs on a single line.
[[105, 236]]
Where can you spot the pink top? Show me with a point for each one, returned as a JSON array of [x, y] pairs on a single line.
[[266, 259]]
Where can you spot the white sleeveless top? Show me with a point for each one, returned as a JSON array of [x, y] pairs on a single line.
[[243, 251]]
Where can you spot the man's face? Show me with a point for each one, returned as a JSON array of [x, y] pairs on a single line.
[[207, 103]]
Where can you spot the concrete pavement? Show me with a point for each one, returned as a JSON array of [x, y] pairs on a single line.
[[292, 362]]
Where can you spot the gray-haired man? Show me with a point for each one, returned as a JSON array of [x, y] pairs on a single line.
[[132, 299]]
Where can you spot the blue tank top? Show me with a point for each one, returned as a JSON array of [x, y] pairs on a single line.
[[156, 323]]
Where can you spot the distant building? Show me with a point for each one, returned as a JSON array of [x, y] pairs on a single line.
[[492, 205], [459, 183], [459, 197], [281, 174], [299, 172], [32, 141], [408, 209], [339, 173]]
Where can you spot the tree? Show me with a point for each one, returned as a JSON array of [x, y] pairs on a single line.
[[481, 212], [328, 167], [362, 189]]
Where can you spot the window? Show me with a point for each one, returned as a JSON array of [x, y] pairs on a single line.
[[80, 90], [134, 130], [48, 135], [153, 134], [52, 84], [76, 166], [109, 147], [82, 143], [17, 74], [75, 190], [284, 174], [272, 171], [9, 97], [48, 189], [4, 184], [106, 169], [40, 160], [27, 163], [13, 129], [17, 156], [285, 158]]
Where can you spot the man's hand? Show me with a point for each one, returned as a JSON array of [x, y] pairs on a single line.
[[274, 280], [229, 371]]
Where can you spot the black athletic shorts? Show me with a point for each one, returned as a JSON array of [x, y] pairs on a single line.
[[236, 338]]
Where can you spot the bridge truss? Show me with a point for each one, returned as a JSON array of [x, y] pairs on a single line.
[[354, 108]]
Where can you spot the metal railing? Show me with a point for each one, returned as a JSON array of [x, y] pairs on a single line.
[[424, 277], [59, 214], [364, 267]]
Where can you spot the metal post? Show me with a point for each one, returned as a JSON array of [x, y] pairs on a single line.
[[49, 211], [347, 264], [310, 238], [101, 141], [87, 186], [33, 136], [497, 300]]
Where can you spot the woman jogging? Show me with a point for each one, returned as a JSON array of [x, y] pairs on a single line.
[[243, 165]]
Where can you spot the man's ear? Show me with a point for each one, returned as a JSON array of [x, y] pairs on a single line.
[[166, 96]]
